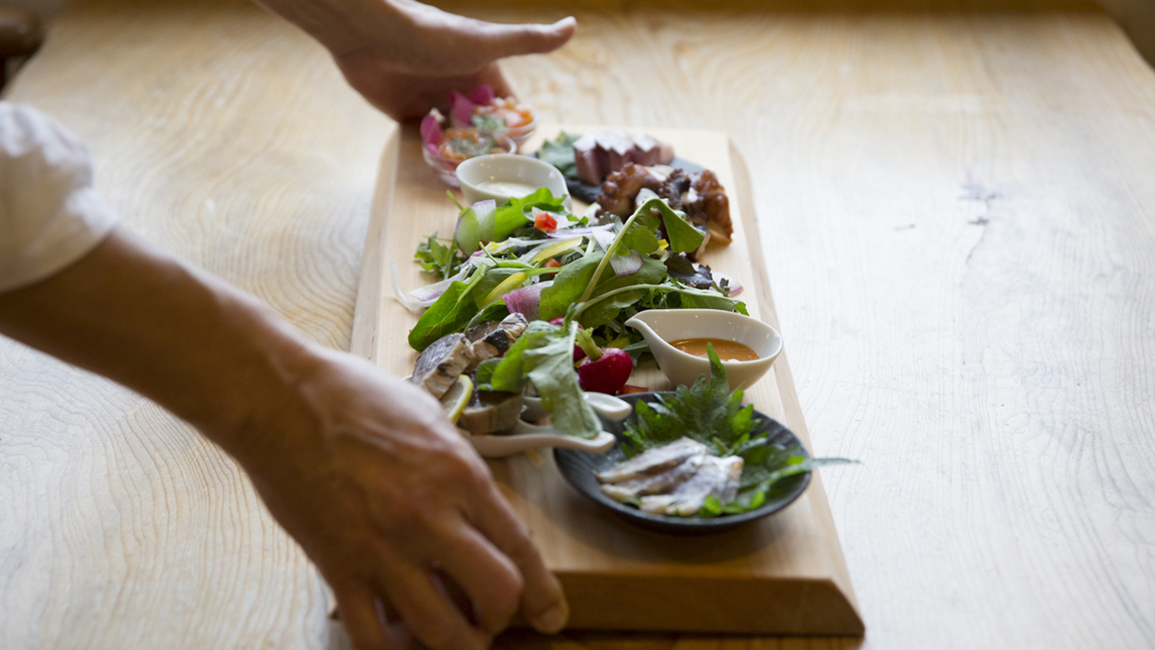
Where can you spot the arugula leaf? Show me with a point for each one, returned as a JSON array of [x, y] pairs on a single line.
[[559, 153], [685, 271], [575, 278], [639, 235], [568, 286], [652, 272], [543, 356], [449, 314], [437, 258]]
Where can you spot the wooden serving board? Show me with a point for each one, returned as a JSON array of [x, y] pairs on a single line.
[[782, 575]]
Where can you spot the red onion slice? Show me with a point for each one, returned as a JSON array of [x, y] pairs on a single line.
[[626, 264], [461, 108], [526, 300], [735, 288]]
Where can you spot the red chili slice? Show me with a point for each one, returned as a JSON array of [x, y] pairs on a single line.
[[544, 222]]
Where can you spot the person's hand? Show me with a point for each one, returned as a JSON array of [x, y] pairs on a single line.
[[411, 64], [388, 500], [405, 57]]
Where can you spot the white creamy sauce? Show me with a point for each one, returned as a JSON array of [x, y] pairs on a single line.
[[507, 188]]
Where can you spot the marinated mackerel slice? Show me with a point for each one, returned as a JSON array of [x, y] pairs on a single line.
[[659, 483], [490, 412], [492, 339], [716, 476], [653, 461], [441, 363]]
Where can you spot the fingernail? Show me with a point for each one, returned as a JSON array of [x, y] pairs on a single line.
[[565, 22], [553, 619]]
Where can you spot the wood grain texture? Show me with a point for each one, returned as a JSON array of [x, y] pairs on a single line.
[[219, 133], [955, 212]]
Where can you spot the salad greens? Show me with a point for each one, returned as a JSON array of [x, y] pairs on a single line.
[[437, 258], [712, 414], [534, 256], [543, 356], [559, 153]]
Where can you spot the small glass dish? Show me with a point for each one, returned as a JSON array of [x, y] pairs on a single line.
[[481, 109], [446, 168], [522, 133]]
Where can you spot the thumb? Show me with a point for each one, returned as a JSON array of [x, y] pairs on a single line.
[[500, 41]]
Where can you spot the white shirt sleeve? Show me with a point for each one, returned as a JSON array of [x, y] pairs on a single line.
[[50, 215]]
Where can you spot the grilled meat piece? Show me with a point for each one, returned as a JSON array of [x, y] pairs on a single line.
[[596, 155], [441, 363], [653, 461], [492, 339]]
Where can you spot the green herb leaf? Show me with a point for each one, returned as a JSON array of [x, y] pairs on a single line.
[[543, 356], [559, 153], [487, 121], [682, 237], [713, 415], [437, 258], [451, 313], [574, 278]]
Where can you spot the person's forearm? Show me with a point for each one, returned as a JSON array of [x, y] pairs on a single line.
[[202, 349]]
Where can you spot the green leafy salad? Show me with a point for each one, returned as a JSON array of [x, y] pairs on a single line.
[[710, 413], [533, 256]]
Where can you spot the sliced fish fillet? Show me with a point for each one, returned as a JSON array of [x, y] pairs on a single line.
[[654, 483], [653, 461], [716, 476], [492, 339], [441, 363]]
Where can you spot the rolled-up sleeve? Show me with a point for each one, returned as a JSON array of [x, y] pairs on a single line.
[[50, 215]]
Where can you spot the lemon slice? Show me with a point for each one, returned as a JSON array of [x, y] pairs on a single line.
[[457, 397]]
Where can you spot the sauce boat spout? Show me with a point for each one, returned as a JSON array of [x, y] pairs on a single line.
[[661, 327]]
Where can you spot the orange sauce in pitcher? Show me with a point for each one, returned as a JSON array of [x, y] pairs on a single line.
[[726, 350]]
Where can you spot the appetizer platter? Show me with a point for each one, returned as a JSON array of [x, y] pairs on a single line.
[[503, 299]]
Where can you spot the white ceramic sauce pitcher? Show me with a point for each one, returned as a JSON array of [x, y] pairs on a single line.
[[660, 326]]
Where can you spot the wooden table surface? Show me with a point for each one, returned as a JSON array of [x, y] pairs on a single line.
[[957, 212]]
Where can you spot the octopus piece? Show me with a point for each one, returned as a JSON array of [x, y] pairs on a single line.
[[622, 187], [706, 204], [699, 195]]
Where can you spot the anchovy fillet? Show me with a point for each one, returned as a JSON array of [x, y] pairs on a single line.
[[442, 363], [653, 461], [655, 483], [715, 477]]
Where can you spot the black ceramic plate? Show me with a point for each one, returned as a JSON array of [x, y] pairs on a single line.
[[578, 469]]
